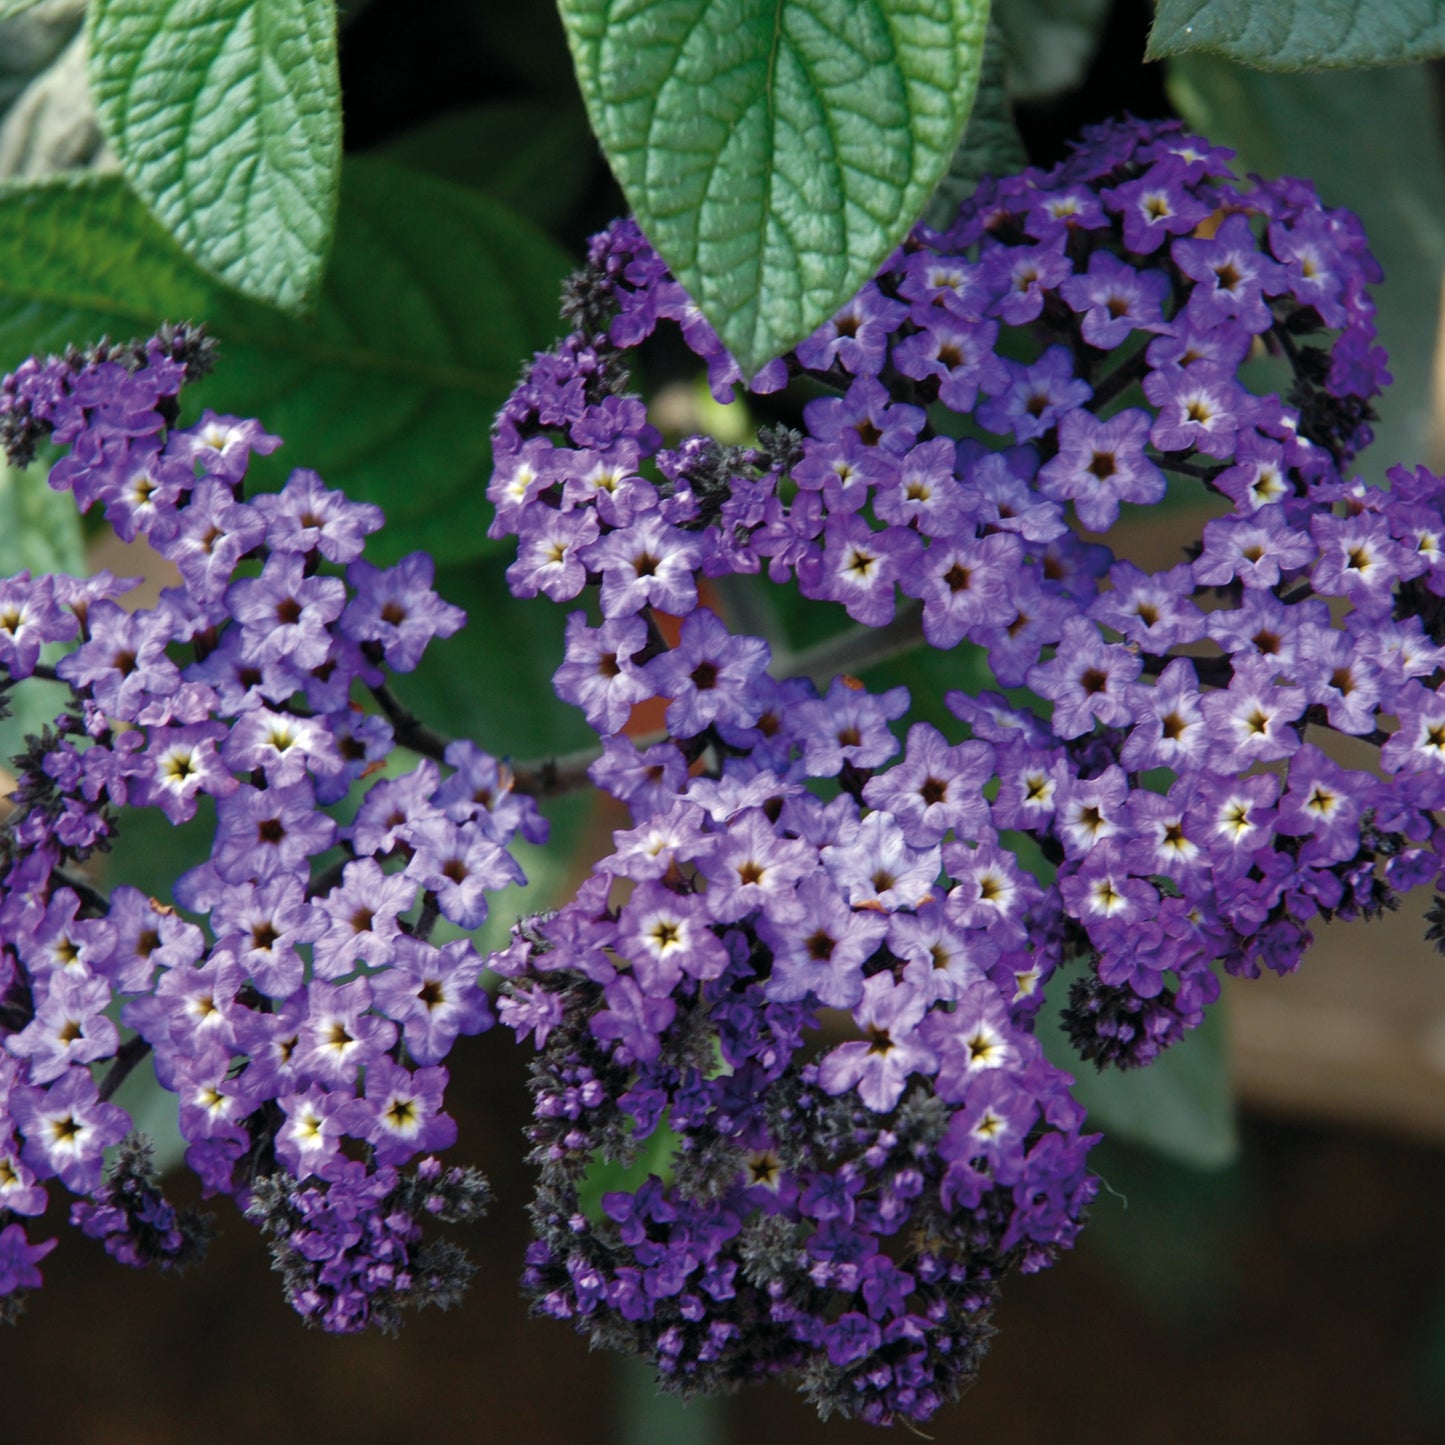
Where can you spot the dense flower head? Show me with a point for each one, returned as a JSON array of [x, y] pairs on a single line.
[[803, 990], [289, 993]]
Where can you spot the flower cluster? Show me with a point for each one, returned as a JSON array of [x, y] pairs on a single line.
[[819, 965], [289, 995]]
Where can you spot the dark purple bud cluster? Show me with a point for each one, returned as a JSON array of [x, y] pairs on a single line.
[[289, 993], [810, 972]]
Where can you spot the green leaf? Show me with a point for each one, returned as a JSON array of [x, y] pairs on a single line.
[[1371, 141], [434, 298], [1301, 34], [775, 151], [1180, 1106], [493, 680], [39, 530], [534, 156], [991, 144], [226, 116], [9, 9], [1050, 43]]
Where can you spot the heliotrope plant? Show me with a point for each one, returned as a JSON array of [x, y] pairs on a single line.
[[812, 968]]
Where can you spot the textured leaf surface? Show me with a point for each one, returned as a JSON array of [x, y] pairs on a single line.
[[226, 116], [991, 144], [434, 298], [775, 151], [11, 8], [1301, 34]]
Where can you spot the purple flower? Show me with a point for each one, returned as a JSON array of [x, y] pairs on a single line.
[[879, 1066], [396, 608], [1087, 679], [710, 676], [1115, 300], [67, 1129], [1036, 396], [286, 615], [1100, 464], [632, 1020]]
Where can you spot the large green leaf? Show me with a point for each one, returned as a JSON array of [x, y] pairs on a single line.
[[226, 116], [775, 151], [1301, 34], [434, 298], [39, 530], [1050, 43], [1371, 141], [991, 144], [1180, 1106], [11, 8], [535, 156]]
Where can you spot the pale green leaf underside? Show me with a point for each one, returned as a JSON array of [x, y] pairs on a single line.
[[1301, 34], [1180, 1106], [434, 298], [9, 9], [226, 116], [775, 151]]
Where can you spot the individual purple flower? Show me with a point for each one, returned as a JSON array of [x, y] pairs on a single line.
[[965, 583], [396, 609], [1087, 679], [340, 1036], [1036, 396], [1200, 407], [879, 1066], [1114, 300], [460, 866], [599, 674], [123, 660], [1255, 549], [710, 675], [856, 337], [1232, 275], [264, 924], [1021, 276], [178, 765], [859, 567], [221, 446], [850, 725], [753, 868], [435, 994], [69, 1026], [67, 1128], [823, 951], [264, 832], [400, 1112], [1250, 721], [649, 563], [664, 934], [958, 355], [1156, 206], [1154, 610], [936, 788], [305, 516], [1100, 464], [285, 614], [308, 1142], [876, 868]]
